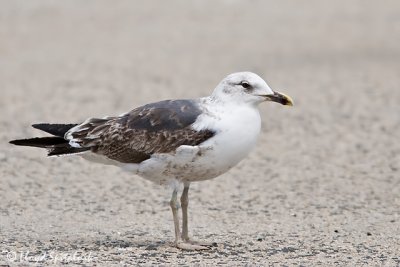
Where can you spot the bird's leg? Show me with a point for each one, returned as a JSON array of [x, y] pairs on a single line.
[[174, 207], [185, 228], [179, 243], [184, 204]]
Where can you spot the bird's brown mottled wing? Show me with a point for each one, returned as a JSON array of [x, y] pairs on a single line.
[[133, 137]]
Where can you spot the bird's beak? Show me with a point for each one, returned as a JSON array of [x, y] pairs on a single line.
[[280, 98]]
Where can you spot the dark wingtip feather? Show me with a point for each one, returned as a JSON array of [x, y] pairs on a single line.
[[21, 142], [54, 129], [15, 142], [56, 145], [39, 141]]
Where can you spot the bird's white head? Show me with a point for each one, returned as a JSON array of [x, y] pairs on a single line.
[[248, 88]]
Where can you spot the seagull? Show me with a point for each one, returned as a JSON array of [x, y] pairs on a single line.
[[172, 142]]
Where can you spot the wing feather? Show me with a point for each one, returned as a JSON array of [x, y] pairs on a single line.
[[133, 137]]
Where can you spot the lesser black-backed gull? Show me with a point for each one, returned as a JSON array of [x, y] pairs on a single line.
[[172, 142]]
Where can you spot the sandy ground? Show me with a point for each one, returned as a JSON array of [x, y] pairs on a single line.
[[322, 188]]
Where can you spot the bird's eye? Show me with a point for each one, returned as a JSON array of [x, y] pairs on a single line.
[[245, 84]]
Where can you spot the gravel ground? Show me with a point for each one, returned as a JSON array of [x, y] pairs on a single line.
[[322, 187]]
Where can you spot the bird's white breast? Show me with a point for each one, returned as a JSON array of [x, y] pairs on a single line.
[[237, 129]]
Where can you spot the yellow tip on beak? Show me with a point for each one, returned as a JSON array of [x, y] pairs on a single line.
[[288, 99]]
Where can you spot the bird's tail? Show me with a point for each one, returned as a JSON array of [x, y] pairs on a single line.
[[56, 144]]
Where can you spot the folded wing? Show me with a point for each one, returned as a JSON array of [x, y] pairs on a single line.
[[133, 137]]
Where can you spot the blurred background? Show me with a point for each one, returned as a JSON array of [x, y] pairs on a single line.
[[323, 185]]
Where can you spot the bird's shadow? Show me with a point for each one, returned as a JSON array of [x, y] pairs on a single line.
[[136, 245], [128, 243], [147, 245]]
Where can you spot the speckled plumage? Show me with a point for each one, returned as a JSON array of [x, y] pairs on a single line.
[[135, 136]]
